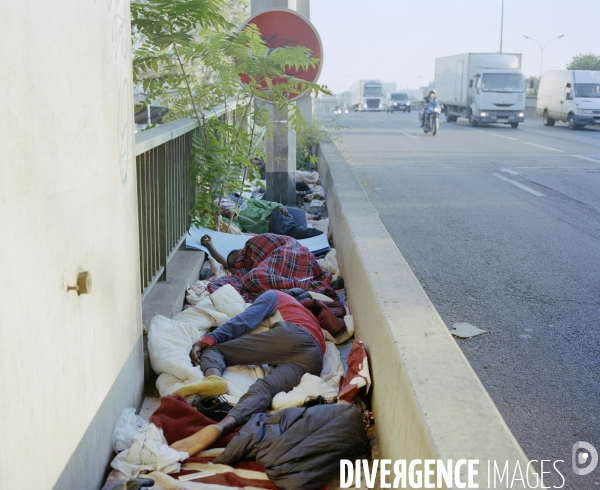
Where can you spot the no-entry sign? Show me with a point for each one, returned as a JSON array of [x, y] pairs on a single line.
[[282, 27]]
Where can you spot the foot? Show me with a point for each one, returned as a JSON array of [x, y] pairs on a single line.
[[199, 441], [211, 385]]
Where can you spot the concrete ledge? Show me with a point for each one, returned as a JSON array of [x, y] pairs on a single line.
[[428, 402], [166, 299]]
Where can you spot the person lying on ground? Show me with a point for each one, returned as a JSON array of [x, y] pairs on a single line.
[[292, 348], [270, 261], [258, 216]]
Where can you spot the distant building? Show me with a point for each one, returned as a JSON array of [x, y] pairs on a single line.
[[413, 93], [344, 100], [326, 104], [389, 87]]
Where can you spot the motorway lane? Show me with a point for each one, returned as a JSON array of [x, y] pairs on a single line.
[[502, 228]]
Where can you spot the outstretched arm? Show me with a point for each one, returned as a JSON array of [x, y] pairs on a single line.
[[264, 306], [206, 241]]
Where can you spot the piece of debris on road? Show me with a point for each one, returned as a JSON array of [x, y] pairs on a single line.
[[465, 330]]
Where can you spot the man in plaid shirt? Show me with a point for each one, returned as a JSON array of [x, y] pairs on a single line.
[[270, 261]]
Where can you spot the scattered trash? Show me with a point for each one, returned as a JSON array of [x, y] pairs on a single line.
[[127, 427], [465, 330]]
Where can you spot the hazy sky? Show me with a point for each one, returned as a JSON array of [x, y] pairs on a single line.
[[398, 40]]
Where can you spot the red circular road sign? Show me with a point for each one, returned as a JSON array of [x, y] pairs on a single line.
[[282, 27]]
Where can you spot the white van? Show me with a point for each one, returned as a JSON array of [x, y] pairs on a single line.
[[397, 101], [572, 96]]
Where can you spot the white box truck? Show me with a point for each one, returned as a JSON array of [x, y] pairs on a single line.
[[367, 95], [572, 96], [483, 87]]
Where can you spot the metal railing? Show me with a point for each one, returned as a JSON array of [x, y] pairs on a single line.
[[166, 193]]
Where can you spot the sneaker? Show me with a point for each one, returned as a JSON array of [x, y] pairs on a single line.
[[214, 407]]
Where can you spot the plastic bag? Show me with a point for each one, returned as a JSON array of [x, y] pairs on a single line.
[[128, 426]]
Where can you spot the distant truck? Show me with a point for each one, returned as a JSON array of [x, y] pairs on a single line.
[[483, 87], [572, 96], [367, 95]]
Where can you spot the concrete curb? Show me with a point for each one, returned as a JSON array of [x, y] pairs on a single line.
[[428, 402]]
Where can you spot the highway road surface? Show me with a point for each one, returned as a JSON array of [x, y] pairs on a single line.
[[502, 228]]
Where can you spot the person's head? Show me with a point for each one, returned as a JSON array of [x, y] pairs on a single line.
[[231, 258], [432, 94], [227, 213], [227, 207]]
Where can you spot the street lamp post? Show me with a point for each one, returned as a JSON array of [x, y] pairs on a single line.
[[501, 25], [542, 48]]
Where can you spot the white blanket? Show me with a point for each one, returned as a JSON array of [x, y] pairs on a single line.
[[148, 452], [170, 341]]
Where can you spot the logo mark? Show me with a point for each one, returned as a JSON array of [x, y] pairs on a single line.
[[581, 458]]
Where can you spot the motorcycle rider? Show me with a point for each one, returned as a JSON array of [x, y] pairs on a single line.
[[426, 100]]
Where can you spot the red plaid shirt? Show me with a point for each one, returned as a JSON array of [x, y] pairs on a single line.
[[270, 261]]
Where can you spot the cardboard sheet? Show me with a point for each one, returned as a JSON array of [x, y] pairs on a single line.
[[225, 243]]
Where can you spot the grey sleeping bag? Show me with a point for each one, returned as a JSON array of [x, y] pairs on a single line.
[[300, 448]]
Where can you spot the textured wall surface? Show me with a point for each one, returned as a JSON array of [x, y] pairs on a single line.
[[69, 363]]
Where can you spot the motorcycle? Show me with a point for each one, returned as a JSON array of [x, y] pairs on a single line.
[[432, 121]]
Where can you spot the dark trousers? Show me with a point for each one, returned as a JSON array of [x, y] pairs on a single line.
[[286, 225], [288, 348]]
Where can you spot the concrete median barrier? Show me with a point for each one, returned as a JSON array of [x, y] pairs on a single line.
[[428, 402]]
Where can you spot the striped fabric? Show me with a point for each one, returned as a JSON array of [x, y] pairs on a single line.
[[178, 419]]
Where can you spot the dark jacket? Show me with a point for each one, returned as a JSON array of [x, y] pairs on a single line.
[[300, 448]]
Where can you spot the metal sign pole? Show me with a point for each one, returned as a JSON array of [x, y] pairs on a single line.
[[281, 149]]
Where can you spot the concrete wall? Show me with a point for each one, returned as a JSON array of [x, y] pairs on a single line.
[[428, 402], [69, 363]]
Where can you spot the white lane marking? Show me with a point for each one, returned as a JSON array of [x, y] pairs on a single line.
[[520, 186], [502, 136], [508, 171], [406, 134], [545, 147], [587, 158]]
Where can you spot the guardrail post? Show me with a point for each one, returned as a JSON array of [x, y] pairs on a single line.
[[162, 210]]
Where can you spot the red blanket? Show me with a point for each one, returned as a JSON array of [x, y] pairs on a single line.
[[178, 419], [271, 261]]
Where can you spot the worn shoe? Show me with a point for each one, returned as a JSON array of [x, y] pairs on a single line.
[[311, 401], [337, 284], [206, 271], [211, 385], [298, 293], [214, 407]]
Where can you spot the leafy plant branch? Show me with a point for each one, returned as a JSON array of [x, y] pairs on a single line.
[[178, 43]]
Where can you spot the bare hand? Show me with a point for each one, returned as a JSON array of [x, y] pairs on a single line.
[[283, 211], [196, 351], [206, 240]]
